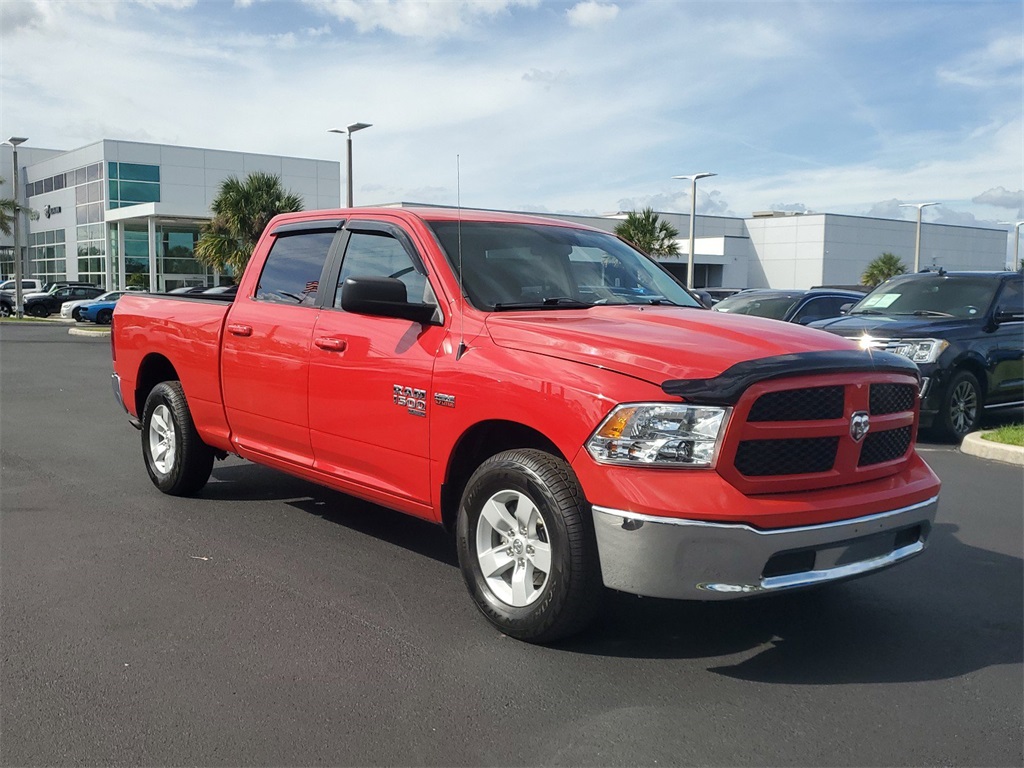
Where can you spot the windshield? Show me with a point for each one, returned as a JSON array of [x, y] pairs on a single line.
[[535, 266], [775, 307], [930, 296]]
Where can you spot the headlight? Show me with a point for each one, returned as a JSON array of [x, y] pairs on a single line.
[[660, 435], [919, 350]]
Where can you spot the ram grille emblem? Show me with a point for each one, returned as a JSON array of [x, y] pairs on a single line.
[[860, 424]]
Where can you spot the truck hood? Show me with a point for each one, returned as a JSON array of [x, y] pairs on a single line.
[[655, 343], [889, 327]]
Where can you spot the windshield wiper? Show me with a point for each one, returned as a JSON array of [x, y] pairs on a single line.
[[927, 313], [551, 302], [867, 312]]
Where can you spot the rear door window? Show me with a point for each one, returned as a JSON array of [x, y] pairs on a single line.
[[291, 274]]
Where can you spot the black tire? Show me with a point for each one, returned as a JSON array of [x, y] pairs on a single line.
[[960, 411], [39, 310], [76, 315], [552, 605], [104, 316], [6, 310], [166, 415]]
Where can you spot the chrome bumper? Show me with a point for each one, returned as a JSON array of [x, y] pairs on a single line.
[[691, 559]]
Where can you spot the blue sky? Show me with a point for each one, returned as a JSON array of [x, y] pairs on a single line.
[[584, 107]]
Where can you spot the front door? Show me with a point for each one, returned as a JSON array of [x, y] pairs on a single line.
[[370, 377]]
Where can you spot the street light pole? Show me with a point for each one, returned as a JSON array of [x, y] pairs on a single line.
[[917, 245], [348, 131], [14, 141], [692, 178]]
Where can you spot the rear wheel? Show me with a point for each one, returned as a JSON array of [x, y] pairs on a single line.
[[526, 546], [6, 310], [960, 412], [177, 460]]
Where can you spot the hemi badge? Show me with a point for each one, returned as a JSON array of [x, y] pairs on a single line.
[[446, 401]]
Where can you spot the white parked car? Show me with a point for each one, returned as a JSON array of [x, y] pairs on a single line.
[[69, 309]]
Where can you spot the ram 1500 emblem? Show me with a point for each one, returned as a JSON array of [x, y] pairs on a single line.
[[859, 425], [414, 400]]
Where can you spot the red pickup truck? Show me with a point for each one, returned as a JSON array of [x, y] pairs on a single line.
[[547, 393]]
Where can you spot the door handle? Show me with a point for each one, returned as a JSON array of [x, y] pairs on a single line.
[[237, 329], [330, 344]]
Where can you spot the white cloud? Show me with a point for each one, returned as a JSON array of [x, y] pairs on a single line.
[[415, 18], [1002, 198], [591, 13], [996, 65], [174, 5]]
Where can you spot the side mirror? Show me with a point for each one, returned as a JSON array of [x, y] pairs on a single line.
[[383, 297], [1007, 316], [846, 308]]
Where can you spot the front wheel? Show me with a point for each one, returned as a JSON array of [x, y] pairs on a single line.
[[960, 411], [526, 546], [104, 316], [6, 310], [39, 310], [177, 460]]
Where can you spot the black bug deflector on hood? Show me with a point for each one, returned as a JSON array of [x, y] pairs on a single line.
[[728, 386]]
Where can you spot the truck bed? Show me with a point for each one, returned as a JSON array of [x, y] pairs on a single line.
[[183, 331]]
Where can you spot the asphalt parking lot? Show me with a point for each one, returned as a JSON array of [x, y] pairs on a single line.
[[272, 622]]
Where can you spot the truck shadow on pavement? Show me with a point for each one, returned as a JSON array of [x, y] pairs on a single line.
[[954, 610], [250, 482]]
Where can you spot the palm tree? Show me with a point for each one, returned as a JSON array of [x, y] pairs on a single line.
[[8, 208], [241, 211], [646, 231], [881, 269]]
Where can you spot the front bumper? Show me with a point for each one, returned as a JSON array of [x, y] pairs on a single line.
[[697, 560]]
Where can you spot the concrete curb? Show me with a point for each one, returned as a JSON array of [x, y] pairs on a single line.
[[975, 445], [102, 334]]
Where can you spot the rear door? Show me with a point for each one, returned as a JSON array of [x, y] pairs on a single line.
[[265, 352], [370, 377]]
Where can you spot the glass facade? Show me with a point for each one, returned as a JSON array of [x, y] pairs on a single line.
[[175, 262], [91, 264], [47, 252], [132, 183]]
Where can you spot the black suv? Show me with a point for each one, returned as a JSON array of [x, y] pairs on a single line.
[[965, 331], [43, 306]]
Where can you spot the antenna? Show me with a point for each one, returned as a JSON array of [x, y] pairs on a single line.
[[462, 293]]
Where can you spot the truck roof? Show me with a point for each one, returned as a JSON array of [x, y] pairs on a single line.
[[426, 214]]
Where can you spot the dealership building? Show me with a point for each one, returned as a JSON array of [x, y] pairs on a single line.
[[120, 213], [125, 213]]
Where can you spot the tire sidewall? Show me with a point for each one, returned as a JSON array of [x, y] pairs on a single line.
[[165, 481], [947, 404], [491, 478]]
